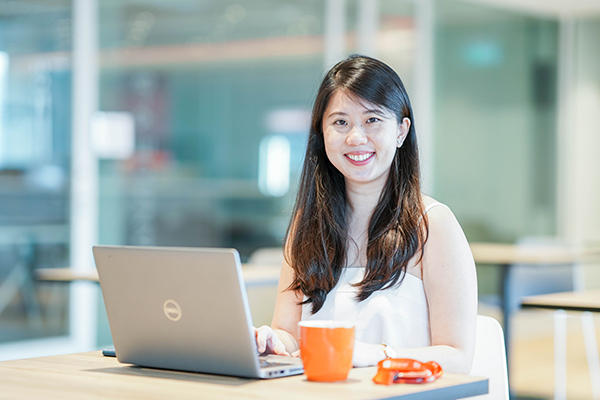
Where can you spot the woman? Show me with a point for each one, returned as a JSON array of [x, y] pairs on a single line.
[[364, 244]]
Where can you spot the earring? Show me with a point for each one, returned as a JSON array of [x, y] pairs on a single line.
[[399, 143]]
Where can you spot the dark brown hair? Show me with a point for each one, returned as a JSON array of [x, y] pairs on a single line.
[[318, 233]]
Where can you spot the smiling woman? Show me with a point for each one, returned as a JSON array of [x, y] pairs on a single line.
[[364, 244]]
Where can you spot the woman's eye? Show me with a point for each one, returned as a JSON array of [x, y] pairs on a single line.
[[373, 120], [340, 122]]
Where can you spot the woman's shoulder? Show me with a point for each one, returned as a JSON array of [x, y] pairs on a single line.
[[439, 215], [427, 200], [446, 243], [443, 226], [430, 203]]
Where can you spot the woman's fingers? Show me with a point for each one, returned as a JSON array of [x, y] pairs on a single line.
[[263, 335], [267, 341], [279, 347]]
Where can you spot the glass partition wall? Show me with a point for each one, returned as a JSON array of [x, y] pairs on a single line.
[[218, 91], [202, 117], [199, 100], [496, 133], [35, 129], [496, 123]]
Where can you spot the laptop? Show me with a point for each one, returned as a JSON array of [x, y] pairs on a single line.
[[183, 309]]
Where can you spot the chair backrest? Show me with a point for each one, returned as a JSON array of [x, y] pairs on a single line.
[[490, 358], [267, 256]]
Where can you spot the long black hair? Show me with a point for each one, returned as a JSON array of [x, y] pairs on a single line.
[[318, 233]]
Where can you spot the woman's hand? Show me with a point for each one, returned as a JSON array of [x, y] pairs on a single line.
[[366, 355], [268, 342]]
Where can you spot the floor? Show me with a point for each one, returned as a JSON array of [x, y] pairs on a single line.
[[532, 357]]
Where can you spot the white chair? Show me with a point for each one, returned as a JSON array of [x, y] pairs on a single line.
[[261, 298], [490, 358], [267, 256]]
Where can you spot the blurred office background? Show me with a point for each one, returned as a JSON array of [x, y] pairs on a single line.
[[183, 123]]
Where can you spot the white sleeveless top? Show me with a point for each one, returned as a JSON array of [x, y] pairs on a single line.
[[398, 316]]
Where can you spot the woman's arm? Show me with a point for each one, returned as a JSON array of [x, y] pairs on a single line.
[[282, 336], [450, 282]]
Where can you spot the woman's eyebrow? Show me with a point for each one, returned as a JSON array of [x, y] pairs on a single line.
[[337, 113], [376, 111]]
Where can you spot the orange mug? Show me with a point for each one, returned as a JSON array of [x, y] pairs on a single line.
[[326, 349]]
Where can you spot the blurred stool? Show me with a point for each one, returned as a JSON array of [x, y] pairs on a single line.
[[21, 279], [585, 302]]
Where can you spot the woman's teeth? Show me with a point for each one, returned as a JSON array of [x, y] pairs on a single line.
[[359, 157]]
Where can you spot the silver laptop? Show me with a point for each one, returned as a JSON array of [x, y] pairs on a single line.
[[183, 309]]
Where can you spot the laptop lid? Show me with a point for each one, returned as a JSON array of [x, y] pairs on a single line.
[[180, 308]]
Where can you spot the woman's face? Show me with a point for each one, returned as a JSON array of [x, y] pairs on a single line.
[[361, 139]]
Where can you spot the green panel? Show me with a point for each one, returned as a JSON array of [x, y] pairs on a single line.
[[495, 123]]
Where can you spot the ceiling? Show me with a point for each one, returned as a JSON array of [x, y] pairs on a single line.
[[546, 8], [30, 26]]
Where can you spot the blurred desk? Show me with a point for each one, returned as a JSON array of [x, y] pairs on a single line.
[[93, 376], [254, 275], [588, 300], [507, 255], [65, 275], [260, 281]]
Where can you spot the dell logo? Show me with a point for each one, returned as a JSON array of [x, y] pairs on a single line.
[[172, 310]]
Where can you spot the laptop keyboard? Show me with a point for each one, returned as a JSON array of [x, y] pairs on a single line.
[[264, 364]]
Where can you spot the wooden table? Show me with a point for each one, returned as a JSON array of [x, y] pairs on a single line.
[[93, 376], [508, 255], [254, 275], [587, 301], [504, 253]]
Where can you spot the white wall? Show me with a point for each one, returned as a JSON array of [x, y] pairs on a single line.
[[579, 188]]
